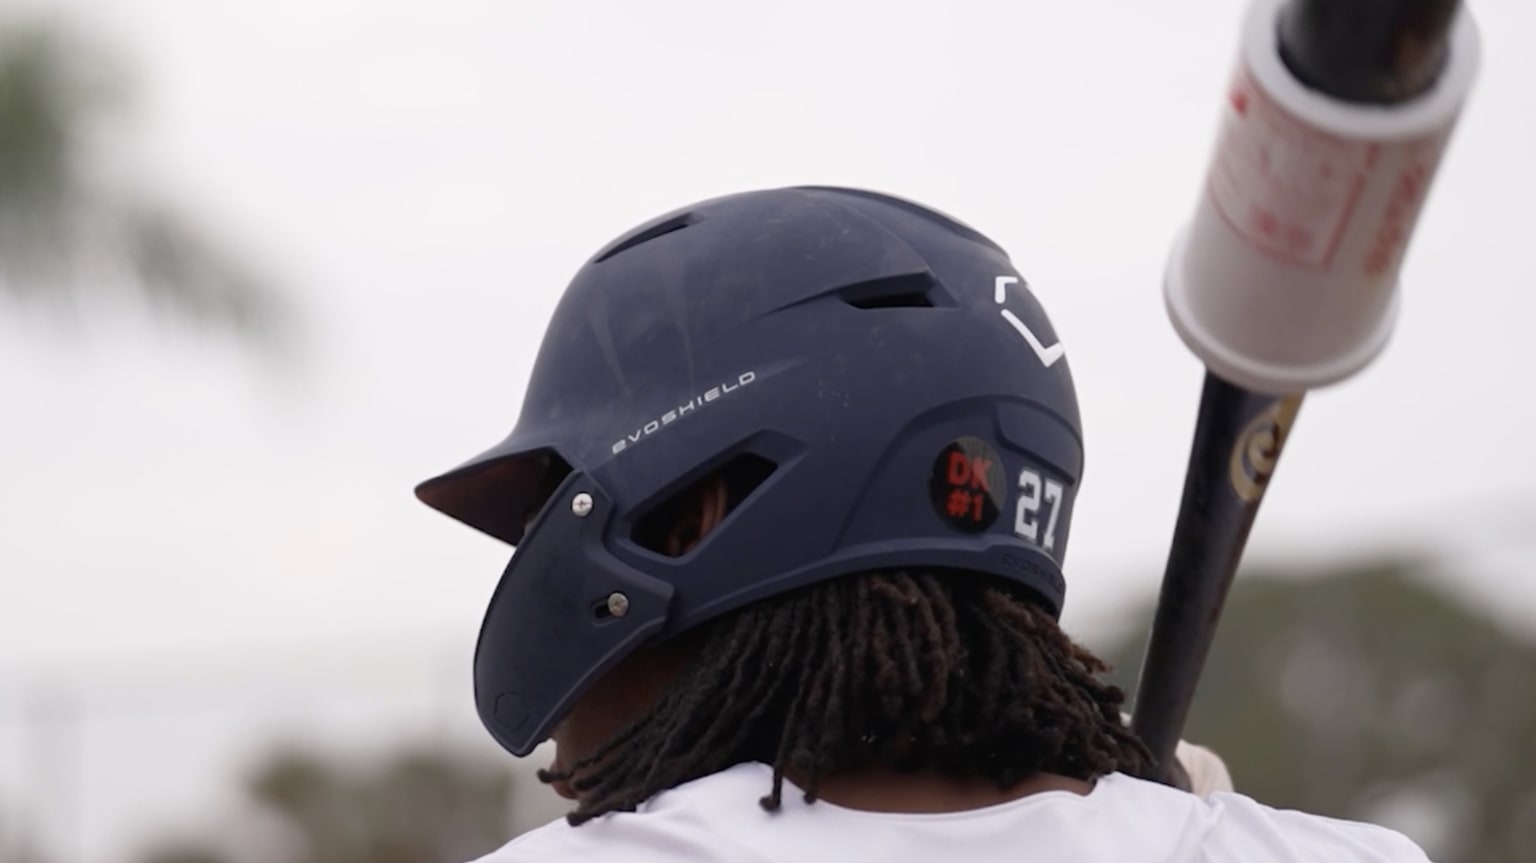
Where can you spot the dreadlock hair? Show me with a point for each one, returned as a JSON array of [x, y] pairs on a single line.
[[932, 670]]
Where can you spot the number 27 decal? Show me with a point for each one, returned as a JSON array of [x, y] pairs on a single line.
[[1039, 499]]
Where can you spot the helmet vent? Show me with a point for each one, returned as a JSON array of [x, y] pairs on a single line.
[[913, 291], [673, 526], [645, 235]]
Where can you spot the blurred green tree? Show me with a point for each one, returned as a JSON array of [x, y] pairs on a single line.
[[68, 231], [415, 806], [1364, 693]]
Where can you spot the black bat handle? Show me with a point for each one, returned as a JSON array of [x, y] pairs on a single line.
[[1378, 52], [1238, 438], [1367, 51]]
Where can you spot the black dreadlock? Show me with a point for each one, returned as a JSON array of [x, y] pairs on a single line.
[[916, 670]]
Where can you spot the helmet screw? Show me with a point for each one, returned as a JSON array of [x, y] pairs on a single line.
[[618, 604], [581, 505]]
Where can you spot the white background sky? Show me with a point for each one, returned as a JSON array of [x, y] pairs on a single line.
[[424, 178]]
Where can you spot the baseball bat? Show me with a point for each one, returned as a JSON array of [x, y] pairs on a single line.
[[1286, 278]]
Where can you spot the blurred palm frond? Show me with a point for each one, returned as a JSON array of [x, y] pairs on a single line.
[[70, 236]]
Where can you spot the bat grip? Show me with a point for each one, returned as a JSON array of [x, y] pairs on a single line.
[[1237, 443]]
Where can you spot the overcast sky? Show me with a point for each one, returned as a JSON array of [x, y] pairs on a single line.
[[424, 178]]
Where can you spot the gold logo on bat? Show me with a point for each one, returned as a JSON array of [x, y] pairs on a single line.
[[1258, 448]]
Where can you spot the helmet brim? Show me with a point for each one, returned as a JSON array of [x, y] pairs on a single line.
[[497, 491]]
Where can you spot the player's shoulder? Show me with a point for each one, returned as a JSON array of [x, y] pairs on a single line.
[[1123, 819], [615, 838], [1248, 824], [669, 828], [651, 837], [1230, 826]]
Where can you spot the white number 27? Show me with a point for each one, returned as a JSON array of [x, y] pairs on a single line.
[[1033, 494]]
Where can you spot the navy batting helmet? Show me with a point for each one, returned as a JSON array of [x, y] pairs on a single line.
[[880, 373]]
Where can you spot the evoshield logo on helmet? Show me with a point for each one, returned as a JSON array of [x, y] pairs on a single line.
[[694, 403], [1047, 355]]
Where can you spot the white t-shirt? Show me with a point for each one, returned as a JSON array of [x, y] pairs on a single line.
[[1123, 820]]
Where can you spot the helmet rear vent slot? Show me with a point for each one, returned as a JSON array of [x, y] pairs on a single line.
[[645, 235], [911, 291]]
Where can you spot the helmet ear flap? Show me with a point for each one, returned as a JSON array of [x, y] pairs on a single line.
[[560, 589]]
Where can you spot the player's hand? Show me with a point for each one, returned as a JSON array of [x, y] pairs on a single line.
[[1197, 769], [1204, 770]]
